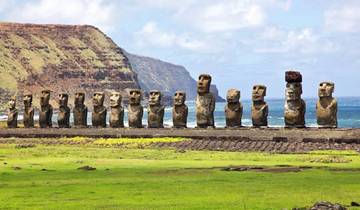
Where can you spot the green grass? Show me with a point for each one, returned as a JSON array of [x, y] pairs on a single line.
[[165, 179]]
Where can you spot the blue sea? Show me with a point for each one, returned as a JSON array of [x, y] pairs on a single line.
[[348, 113]]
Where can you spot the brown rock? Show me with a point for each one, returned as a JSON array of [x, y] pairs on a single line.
[[259, 109], [180, 110], [12, 114], [99, 111], [135, 110], [64, 111], [205, 103], [28, 111], [233, 109], [46, 110], [155, 110], [326, 107], [293, 76], [117, 111], [80, 111]]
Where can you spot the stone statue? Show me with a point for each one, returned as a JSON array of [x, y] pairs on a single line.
[[117, 111], [155, 110], [259, 109], [46, 110], [135, 110], [233, 109], [205, 103], [99, 112], [180, 110], [326, 107], [80, 110], [64, 111], [295, 107], [12, 114], [28, 111]]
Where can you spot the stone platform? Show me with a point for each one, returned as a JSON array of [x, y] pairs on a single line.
[[350, 136]]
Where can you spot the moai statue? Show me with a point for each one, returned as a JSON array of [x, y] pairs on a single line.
[[80, 111], [259, 108], [295, 107], [233, 109], [135, 110], [180, 110], [64, 111], [326, 107], [99, 112], [28, 111], [12, 114], [117, 111], [205, 103], [46, 110], [155, 110]]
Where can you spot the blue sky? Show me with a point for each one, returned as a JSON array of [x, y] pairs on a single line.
[[239, 42]]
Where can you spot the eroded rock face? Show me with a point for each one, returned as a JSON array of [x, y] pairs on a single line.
[[259, 108], [155, 110], [205, 103], [64, 111], [99, 111], [80, 110], [326, 107], [135, 110], [28, 110], [46, 110], [117, 111], [295, 107], [12, 114], [233, 109], [180, 110]]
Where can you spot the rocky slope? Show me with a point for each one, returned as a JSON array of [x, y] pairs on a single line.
[[159, 75], [60, 58]]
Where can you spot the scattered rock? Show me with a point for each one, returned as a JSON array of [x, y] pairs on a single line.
[[20, 146], [325, 205], [16, 168], [87, 168], [180, 151], [354, 204], [5, 163]]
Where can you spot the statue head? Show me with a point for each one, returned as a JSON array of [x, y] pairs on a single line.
[[79, 99], [258, 92], [203, 84], [134, 96], [154, 97], [27, 98], [115, 99], [98, 99], [293, 91], [12, 103], [63, 99], [233, 96], [326, 89], [179, 98], [45, 97]]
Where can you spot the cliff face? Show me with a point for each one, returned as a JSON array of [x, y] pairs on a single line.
[[62, 58], [167, 77]]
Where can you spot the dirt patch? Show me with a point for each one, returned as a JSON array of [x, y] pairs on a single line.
[[283, 169], [86, 168]]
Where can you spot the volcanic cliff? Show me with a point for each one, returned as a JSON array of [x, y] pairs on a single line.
[[70, 58]]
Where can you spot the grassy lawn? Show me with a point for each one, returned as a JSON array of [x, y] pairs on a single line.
[[47, 177]]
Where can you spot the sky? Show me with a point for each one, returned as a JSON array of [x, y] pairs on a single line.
[[239, 42]]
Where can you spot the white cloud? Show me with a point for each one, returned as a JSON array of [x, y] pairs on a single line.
[[94, 12], [303, 41], [151, 35], [343, 18], [223, 15]]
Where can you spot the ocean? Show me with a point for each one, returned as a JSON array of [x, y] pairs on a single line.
[[348, 113]]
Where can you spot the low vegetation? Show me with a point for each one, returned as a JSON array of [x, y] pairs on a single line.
[[86, 176]]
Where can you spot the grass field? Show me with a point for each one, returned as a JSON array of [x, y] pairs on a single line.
[[47, 177]]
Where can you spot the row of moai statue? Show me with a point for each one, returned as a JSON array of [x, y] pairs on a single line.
[[294, 109]]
